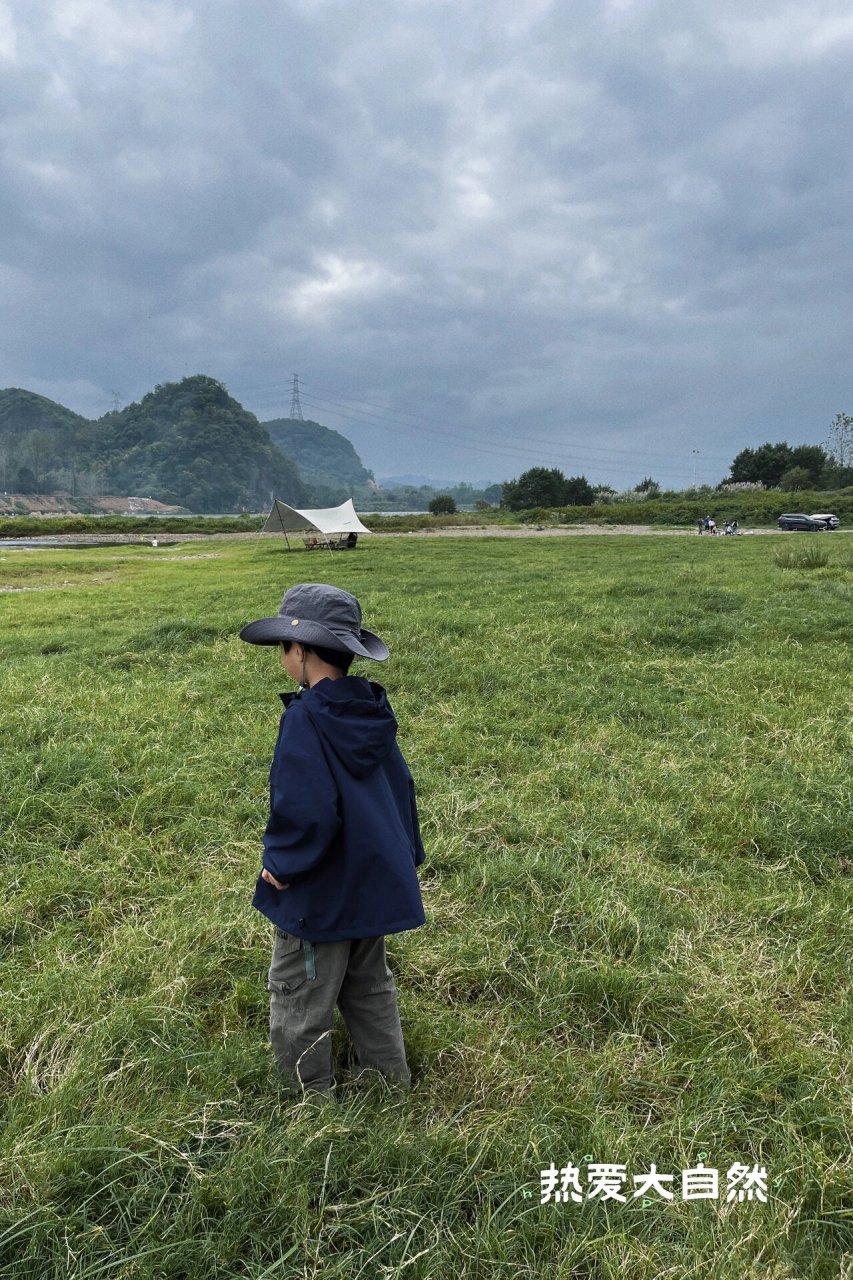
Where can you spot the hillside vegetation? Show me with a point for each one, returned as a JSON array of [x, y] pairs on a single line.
[[188, 443], [327, 461]]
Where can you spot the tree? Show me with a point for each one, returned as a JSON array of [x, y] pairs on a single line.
[[578, 492], [769, 462], [541, 487], [811, 458], [648, 488], [839, 445], [463, 494], [442, 505], [25, 481], [794, 479]]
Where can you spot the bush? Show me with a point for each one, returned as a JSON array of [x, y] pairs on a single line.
[[442, 504]]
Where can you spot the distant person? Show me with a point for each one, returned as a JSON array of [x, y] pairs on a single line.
[[341, 845]]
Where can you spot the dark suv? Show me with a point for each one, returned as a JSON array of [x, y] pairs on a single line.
[[801, 521]]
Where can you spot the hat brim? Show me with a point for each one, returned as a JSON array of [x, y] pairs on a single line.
[[274, 630]]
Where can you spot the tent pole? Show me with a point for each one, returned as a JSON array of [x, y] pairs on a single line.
[[262, 528]]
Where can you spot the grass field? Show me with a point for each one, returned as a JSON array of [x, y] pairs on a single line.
[[633, 762]]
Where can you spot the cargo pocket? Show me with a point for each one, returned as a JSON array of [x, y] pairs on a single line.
[[287, 970]]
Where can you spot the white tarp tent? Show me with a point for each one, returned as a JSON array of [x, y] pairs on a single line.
[[329, 522]]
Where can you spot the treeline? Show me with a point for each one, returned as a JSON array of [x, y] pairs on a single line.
[[779, 467], [805, 466]]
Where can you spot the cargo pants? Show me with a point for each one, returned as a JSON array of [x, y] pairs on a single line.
[[306, 981]]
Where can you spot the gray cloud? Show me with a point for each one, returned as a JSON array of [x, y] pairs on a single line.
[[598, 237]]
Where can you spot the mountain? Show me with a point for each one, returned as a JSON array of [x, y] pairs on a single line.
[[194, 444], [327, 461], [187, 443]]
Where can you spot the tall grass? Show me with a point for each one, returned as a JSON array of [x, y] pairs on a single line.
[[809, 557], [633, 767]]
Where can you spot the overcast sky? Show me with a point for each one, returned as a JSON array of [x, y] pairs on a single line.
[[598, 235]]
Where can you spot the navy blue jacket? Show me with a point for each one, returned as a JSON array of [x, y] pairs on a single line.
[[343, 828]]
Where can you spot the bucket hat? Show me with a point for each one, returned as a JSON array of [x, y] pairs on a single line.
[[315, 613]]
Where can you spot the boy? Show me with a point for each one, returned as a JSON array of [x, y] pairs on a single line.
[[341, 845]]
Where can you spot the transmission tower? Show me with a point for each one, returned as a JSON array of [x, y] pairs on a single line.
[[295, 402], [115, 402]]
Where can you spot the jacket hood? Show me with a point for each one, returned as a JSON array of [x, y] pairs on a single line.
[[354, 720]]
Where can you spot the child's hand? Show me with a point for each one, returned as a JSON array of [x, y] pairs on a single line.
[[270, 879]]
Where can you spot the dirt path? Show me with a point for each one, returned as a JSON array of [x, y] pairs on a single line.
[[452, 531], [543, 531]]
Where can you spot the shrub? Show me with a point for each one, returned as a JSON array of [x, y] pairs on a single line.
[[443, 504]]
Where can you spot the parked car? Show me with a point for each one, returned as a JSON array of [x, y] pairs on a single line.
[[799, 520], [831, 522]]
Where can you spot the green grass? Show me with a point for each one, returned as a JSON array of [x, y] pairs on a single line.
[[633, 761]]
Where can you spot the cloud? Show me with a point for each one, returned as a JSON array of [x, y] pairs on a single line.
[[620, 228], [8, 35], [112, 33], [337, 283], [790, 34]]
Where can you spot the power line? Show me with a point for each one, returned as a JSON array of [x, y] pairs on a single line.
[[459, 440], [645, 453], [447, 435], [382, 415]]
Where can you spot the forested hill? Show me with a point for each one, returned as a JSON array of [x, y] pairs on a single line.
[[23, 411], [197, 446], [185, 442], [327, 461]]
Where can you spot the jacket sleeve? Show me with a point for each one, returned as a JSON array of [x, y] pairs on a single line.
[[304, 817]]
